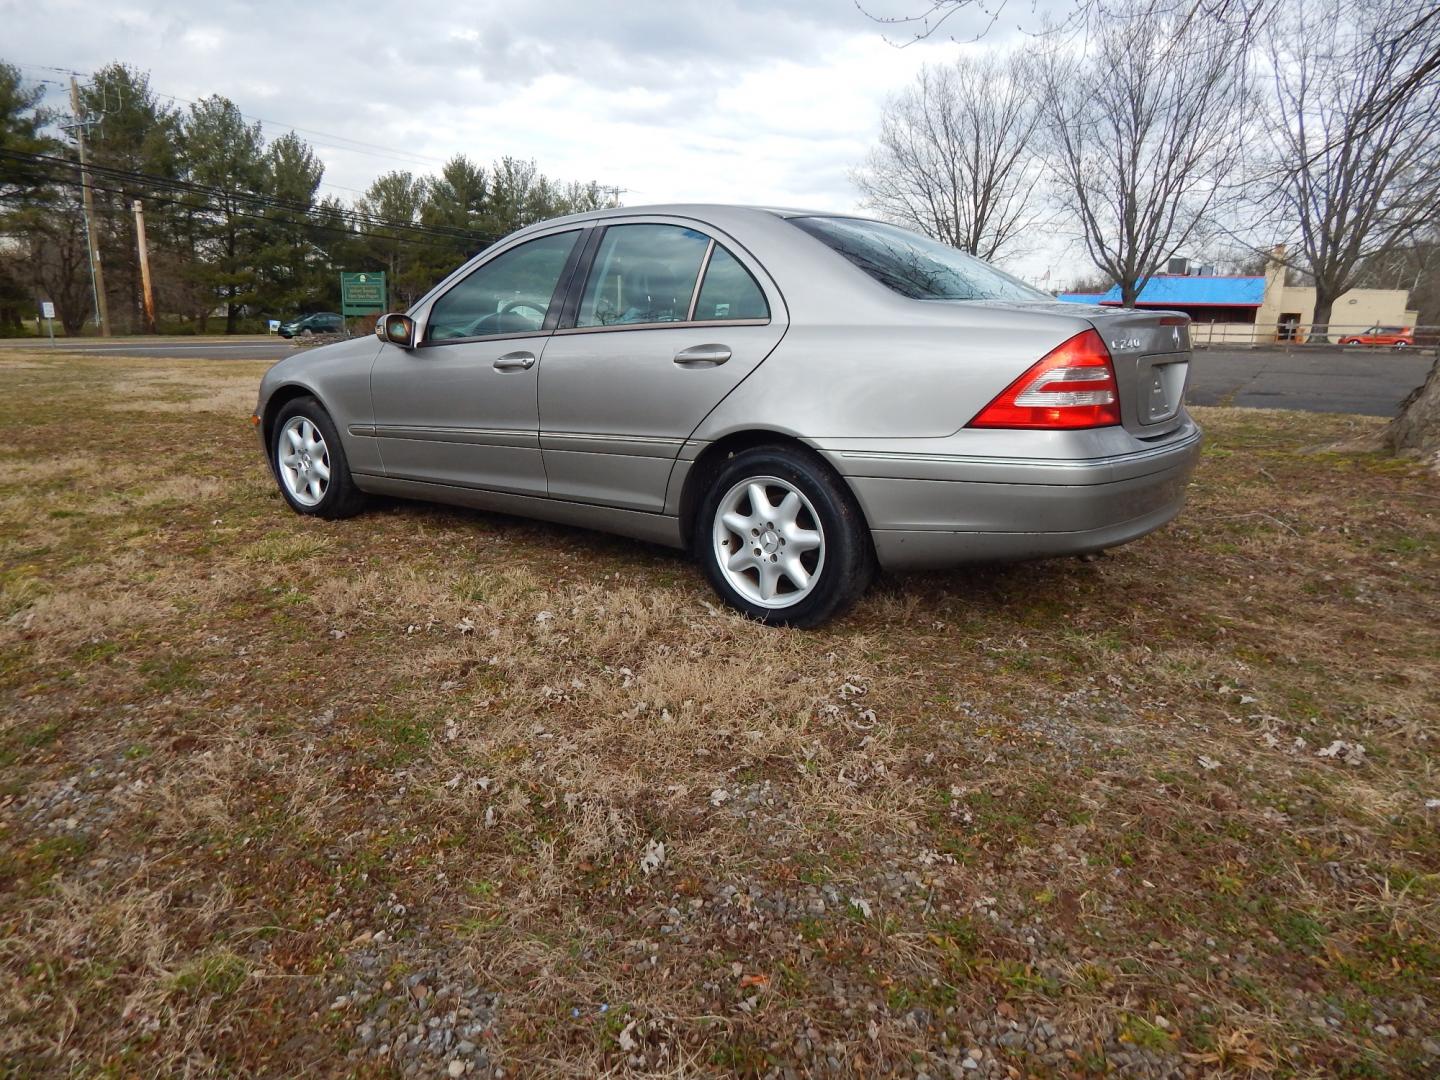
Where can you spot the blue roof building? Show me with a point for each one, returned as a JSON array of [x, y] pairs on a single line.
[[1262, 308], [1180, 293], [1204, 299]]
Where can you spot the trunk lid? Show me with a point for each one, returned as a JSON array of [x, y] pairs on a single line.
[[1151, 354]]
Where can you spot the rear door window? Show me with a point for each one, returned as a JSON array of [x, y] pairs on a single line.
[[729, 292], [643, 274]]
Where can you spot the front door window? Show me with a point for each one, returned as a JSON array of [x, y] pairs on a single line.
[[508, 295]]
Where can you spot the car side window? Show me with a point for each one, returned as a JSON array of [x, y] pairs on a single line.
[[729, 291], [507, 295], [642, 274]]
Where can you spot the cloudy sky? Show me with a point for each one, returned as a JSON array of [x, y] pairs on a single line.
[[767, 101]]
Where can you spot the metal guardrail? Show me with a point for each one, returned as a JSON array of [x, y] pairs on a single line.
[[1291, 335]]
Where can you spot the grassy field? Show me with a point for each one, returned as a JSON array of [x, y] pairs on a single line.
[[437, 793]]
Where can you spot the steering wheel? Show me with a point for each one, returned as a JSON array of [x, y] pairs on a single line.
[[523, 305]]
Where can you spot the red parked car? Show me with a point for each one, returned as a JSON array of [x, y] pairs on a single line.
[[1398, 337]]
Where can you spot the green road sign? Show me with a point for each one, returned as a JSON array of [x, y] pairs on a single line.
[[362, 293]]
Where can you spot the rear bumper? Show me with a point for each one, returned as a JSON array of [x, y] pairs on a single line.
[[957, 510]]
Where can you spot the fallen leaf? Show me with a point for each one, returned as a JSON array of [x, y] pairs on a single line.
[[628, 1044], [653, 858]]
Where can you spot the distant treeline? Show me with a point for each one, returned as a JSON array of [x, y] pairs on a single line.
[[237, 232]]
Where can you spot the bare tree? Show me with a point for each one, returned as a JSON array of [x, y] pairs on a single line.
[[1356, 167], [956, 157], [53, 260], [930, 17], [1146, 123]]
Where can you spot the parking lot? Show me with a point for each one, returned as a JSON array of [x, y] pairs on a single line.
[[1372, 382]]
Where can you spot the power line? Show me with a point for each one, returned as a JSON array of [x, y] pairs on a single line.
[[343, 230], [269, 202], [357, 146]]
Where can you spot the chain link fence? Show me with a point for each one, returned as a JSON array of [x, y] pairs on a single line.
[[1288, 335]]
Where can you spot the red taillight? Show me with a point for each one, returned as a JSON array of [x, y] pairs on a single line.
[[1072, 387]]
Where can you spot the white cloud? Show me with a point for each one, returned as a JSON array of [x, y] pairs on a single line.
[[710, 100], [205, 39]]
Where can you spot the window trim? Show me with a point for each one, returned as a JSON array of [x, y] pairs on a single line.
[[700, 281], [579, 276], [581, 279], [569, 331], [558, 294]]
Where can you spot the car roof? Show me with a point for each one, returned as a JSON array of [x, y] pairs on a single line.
[[702, 211]]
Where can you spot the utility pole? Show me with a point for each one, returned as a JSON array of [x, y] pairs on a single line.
[[87, 198], [147, 294]]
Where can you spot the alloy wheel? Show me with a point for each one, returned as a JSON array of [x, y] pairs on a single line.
[[769, 543], [304, 461]]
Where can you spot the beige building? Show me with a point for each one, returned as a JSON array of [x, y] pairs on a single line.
[[1284, 305], [1261, 310]]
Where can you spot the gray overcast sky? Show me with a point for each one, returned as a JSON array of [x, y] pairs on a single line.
[[725, 100]]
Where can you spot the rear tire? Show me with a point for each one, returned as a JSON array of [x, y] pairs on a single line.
[[782, 539], [309, 462]]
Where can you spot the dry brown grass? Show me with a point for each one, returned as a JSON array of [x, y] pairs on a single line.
[[236, 744]]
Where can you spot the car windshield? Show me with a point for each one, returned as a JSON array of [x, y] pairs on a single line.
[[914, 265]]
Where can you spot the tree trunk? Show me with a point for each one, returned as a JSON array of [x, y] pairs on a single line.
[[1417, 428], [72, 318], [1320, 321], [1128, 294]]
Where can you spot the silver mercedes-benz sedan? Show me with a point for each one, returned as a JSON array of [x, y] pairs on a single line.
[[795, 397]]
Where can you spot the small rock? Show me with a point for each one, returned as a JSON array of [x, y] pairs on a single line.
[[456, 1068]]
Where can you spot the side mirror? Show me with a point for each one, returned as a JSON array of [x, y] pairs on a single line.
[[397, 329]]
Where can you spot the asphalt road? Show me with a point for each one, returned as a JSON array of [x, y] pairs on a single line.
[[1367, 381], [1323, 380], [247, 348]]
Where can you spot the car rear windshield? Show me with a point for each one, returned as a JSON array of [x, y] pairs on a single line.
[[914, 265]]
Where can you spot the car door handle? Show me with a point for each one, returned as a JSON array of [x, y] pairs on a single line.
[[515, 361], [697, 355]]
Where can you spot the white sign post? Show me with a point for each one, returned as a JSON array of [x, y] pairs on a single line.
[[47, 309]]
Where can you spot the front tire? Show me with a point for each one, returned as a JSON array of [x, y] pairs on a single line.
[[782, 539], [309, 462]]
